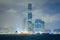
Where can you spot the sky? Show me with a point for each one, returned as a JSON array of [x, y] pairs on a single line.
[[12, 13]]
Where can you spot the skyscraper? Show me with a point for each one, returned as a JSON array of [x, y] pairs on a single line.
[[30, 12], [31, 27], [29, 17]]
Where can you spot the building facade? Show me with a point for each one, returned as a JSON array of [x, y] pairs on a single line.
[[39, 26]]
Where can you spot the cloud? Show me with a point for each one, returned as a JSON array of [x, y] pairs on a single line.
[[11, 11], [46, 17], [7, 26]]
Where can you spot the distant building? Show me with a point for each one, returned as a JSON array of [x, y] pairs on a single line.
[[39, 25], [56, 31], [43, 26], [24, 24], [29, 26], [29, 17], [48, 31], [30, 12]]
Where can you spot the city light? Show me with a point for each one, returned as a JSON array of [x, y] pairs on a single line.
[[25, 32]]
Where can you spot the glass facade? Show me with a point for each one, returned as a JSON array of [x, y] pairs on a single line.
[[29, 12], [29, 6], [30, 16], [38, 23]]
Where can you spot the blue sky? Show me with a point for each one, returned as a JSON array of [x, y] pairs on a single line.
[[12, 13]]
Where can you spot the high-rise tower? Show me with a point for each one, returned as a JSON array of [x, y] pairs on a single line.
[[29, 17], [29, 12]]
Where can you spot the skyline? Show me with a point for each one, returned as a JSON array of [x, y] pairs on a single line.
[[12, 13]]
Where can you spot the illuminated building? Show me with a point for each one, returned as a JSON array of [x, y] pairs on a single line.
[[29, 17], [29, 26], [30, 12], [27, 22], [39, 26]]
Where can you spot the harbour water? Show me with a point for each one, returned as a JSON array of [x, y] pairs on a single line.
[[30, 37]]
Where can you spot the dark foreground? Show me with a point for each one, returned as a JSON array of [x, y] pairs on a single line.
[[30, 37]]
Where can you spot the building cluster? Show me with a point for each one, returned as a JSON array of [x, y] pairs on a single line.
[[38, 26], [29, 26]]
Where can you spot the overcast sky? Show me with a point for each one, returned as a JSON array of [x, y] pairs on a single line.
[[12, 13]]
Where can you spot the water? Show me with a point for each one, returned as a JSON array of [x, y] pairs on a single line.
[[29, 37]]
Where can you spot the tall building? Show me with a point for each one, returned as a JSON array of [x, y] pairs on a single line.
[[30, 12], [24, 24], [43, 26], [39, 26], [29, 17]]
